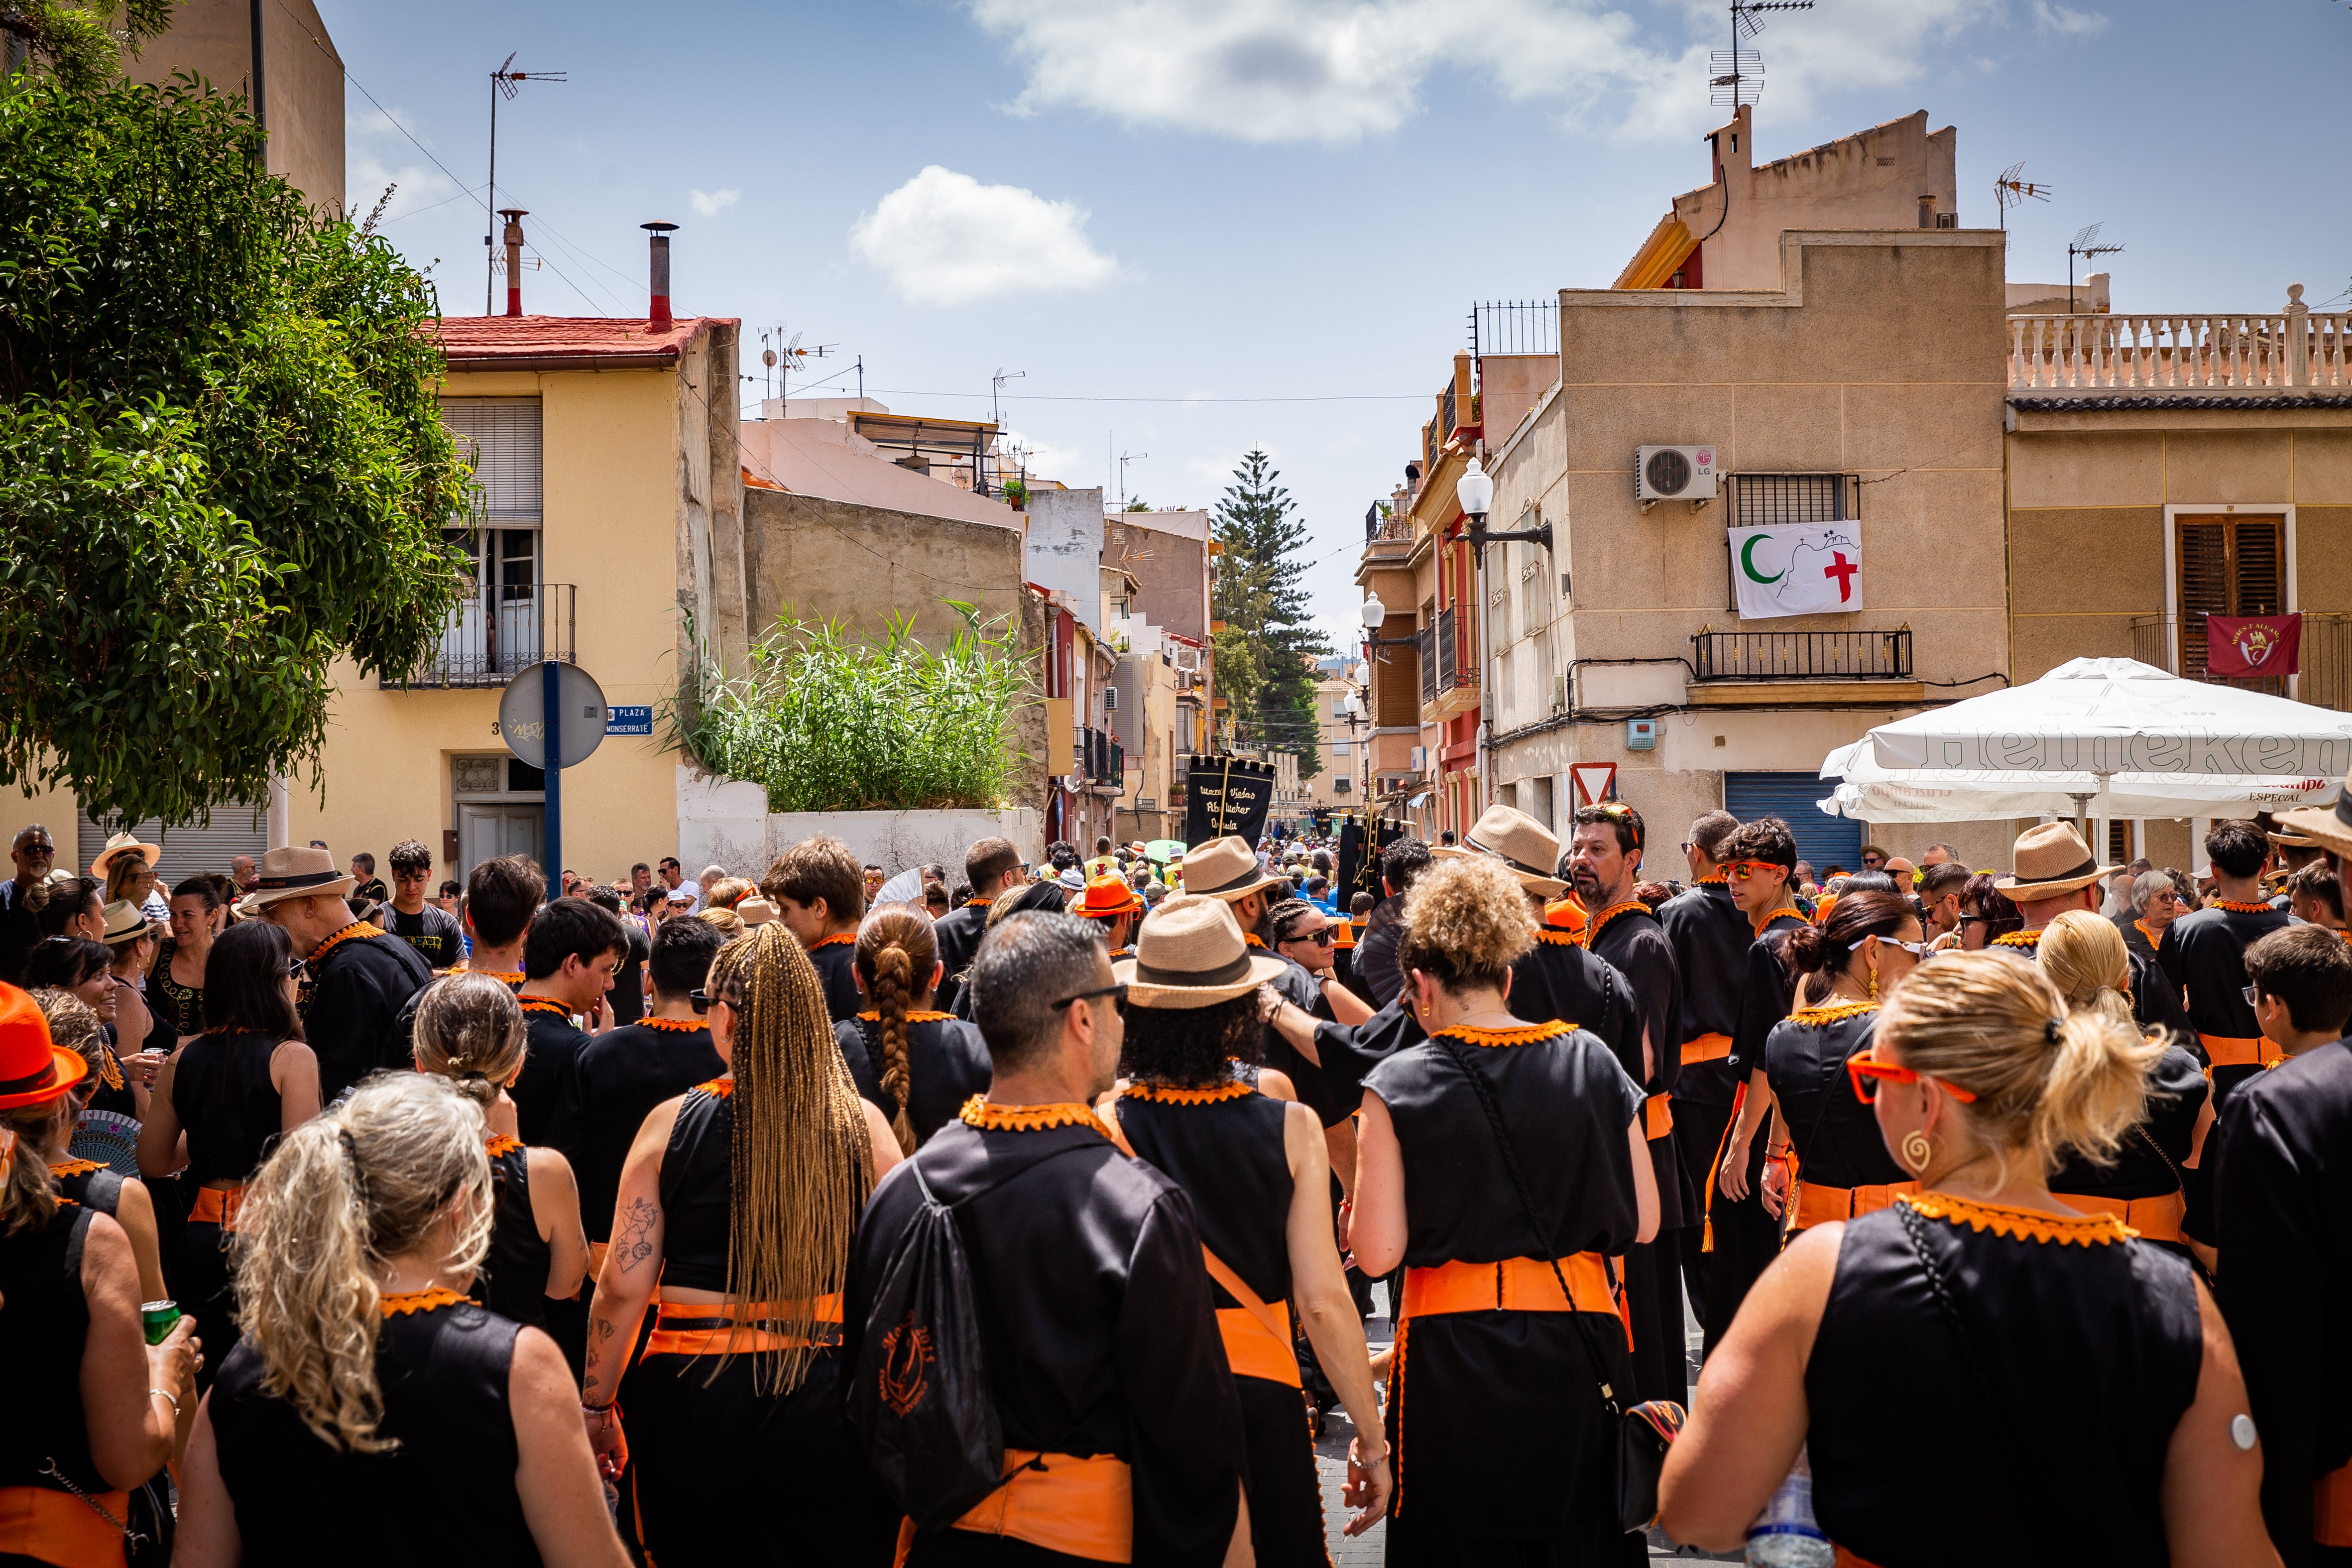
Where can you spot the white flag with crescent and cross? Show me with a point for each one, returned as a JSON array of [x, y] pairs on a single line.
[[1803, 569]]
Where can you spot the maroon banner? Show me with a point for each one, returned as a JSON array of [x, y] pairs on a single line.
[[2254, 645]]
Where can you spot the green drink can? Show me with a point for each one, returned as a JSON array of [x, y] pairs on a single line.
[[157, 1318]]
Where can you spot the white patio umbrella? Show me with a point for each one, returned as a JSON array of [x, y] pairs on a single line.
[[2119, 718], [1873, 792]]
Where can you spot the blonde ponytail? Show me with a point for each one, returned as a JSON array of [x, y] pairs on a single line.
[[469, 1030], [372, 1178], [2084, 956]]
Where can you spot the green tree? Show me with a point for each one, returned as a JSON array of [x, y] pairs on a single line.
[[80, 45], [1260, 594], [222, 465]]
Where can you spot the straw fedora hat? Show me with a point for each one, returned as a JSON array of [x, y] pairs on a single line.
[[2052, 861], [291, 873], [1107, 897], [32, 1069], [2327, 826], [1527, 849], [125, 922], [123, 843], [1189, 953], [1224, 869], [755, 911]]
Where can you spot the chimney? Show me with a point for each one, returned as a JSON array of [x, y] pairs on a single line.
[[657, 319], [1926, 212], [514, 216]]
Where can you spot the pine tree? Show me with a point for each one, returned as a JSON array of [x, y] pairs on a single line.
[[1260, 592]]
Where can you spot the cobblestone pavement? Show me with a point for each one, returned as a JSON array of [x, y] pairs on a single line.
[[1368, 1550]]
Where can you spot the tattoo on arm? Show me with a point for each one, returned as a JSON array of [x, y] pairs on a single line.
[[634, 1244]]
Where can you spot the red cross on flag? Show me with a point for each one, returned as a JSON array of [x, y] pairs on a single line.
[[1799, 569]]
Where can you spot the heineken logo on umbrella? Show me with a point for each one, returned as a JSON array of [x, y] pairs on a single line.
[[1803, 569]]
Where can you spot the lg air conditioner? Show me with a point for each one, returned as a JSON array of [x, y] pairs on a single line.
[[1674, 473]]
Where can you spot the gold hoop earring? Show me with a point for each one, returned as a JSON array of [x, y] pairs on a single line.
[[1917, 1152]]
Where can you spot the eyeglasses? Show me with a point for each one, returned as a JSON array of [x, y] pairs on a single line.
[[1116, 992], [2252, 994], [1976, 920], [1747, 870], [704, 1002], [37, 850], [1868, 1072]]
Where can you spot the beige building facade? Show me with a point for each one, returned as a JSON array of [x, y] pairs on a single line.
[[300, 101]]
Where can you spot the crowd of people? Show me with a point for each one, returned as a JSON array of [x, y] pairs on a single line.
[[1036, 1214]]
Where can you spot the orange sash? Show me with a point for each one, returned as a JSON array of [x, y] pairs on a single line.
[[58, 1527], [1085, 1508], [1514, 1285], [708, 1327], [216, 1205], [1657, 1118], [1818, 1204], [2157, 1219], [2229, 1051], [1251, 1348], [1706, 1049], [2331, 1509]]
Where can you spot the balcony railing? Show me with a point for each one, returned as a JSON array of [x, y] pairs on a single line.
[[1449, 680], [2176, 643], [497, 632], [1384, 524], [1100, 758], [1426, 655], [2182, 353], [1449, 648], [1802, 655]]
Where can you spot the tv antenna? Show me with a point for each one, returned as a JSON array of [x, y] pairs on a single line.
[[2086, 244], [1124, 459], [996, 388], [502, 85], [2009, 191], [1737, 74]]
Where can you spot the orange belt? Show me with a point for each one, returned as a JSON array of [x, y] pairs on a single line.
[[1818, 1204], [2331, 1509], [2156, 1219], [58, 1527], [1251, 1348], [1514, 1285], [1706, 1049], [596, 1250], [1657, 1118], [216, 1205], [708, 1327], [2227, 1051], [1085, 1508]]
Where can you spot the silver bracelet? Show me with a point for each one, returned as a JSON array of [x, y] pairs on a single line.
[[170, 1395]]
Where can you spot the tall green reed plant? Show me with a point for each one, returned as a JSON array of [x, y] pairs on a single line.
[[827, 723]]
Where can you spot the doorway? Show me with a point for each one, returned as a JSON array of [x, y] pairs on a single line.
[[500, 809]]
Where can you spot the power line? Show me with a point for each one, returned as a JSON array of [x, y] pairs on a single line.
[[1048, 397]]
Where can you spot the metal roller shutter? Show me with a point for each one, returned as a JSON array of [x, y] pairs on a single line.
[[188, 850], [501, 436], [1822, 840]]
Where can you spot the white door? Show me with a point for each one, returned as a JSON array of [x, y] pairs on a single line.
[[492, 828]]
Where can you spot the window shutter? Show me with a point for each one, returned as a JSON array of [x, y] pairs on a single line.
[[2261, 589], [501, 436], [2204, 585]]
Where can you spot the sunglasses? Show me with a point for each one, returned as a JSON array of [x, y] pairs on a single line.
[[1915, 949], [1868, 1072], [1116, 992], [704, 1001], [1747, 870], [1324, 937]]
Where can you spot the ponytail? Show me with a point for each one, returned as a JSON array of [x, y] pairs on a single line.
[[470, 1029], [28, 1194], [2097, 1089], [1828, 947], [896, 953], [2084, 957]]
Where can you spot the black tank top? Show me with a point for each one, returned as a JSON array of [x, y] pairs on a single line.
[[2088, 1343], [513, 1278], [696, 1176], [179, 1009], [1835, 1135], [2148, 1163], [444, 1370], [42, 1327], [89, 1184], [1225, 1147], [947, 1064], [1564, 1101], [222, 1094]]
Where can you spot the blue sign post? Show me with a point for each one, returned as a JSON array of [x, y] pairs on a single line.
[[552, 717], [550, 681]]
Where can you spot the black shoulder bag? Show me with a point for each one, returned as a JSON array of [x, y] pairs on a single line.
[[1644, 1433]]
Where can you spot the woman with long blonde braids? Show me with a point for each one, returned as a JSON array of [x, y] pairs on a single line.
[[371, 1414], [917, 1064], [741, 1197]]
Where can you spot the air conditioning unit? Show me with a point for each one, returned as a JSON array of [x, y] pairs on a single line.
[[1674, 473], [1187, 658]]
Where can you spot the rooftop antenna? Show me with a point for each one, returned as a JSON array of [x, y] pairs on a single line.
[[1124, 459], [2009, 191], [1737, 74], [502, 84], [2086, 244], [996, 387]]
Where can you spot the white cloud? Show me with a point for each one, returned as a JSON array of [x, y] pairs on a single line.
[[379, 155], [2067, 21], [1338, 70], [1044, 460], [944, 239], [710, 204]]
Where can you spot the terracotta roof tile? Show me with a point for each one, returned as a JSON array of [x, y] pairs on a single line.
[[488, 343]]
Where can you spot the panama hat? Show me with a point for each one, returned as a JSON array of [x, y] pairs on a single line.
[[1189, 953], [2325, 826], [1525, 847], [291, 873], [2052, 861], [33, 1070], [1225, 869], [125, 922], [1107, 897], [120, 843], [755, 911]]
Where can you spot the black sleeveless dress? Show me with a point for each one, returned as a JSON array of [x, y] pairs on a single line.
[[1494, 1410], [444, 1364], [2148, 1185], [179, 1009], [701, 1433], [1225, 1147], [231, 1113], [2082, 1351], [42, 1330], [512, 1281], [1843, 1170], [947, 1064]]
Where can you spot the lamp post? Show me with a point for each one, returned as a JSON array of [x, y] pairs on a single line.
[[1475, 494]]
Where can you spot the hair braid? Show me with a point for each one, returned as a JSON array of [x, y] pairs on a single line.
[[895, 954]]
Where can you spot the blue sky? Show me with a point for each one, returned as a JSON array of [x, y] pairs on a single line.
[[1186, 200]]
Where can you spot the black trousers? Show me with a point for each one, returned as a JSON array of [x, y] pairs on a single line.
[[1698, 1138], [1746, 1241]]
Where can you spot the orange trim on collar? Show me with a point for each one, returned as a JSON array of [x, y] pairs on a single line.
[[2153, 940], [1252, 939], [418, 1301], [61, 1169], [1552, 936], [992, 1118], [358, 931], [674, 1026], [978, 903], [1600, 922], [1787, 913], [1526, 1035], [836, 940], [2239, 907], [501, 1144], [2023, 1225], [1168, 1094], [545, 1004], [506, 976], [1832, 1014], [914, 1015], [109, 1070], [717, 1088], [2031, 938], [1720, 879]]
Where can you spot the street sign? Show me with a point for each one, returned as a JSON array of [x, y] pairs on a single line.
[[1595, 782], [523, 720], [629, 720]]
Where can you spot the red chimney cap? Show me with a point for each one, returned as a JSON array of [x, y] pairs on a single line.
[[658, 227]]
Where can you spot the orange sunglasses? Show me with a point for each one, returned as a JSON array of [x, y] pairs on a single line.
[[1742, 870], [1868, 1072]]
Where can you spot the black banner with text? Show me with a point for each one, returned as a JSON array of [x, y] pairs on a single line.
[[1226, 795]]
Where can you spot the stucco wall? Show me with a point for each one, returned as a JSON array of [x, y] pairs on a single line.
[[302, 84]]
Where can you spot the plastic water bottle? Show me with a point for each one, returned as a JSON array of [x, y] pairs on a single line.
[[1785, 1535]]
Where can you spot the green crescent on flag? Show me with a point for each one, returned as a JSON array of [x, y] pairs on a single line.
[[1797, 568]]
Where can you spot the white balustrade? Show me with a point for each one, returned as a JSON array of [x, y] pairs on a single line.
[[2292, 347]]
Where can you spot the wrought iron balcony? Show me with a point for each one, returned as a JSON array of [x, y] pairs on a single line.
[[1449, 679], [494, 633], [1802, 655], [2176, 643]]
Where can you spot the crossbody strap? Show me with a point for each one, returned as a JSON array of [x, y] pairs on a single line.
[[1218, 1269]]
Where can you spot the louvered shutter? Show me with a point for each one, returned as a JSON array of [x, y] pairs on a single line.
[[2203, 586], [1822, 840], [187, 851], [501, 437]]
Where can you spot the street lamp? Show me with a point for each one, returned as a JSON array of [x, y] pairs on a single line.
[[1475, 492], [1375, 615]]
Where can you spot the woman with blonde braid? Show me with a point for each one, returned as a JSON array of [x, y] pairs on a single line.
[[469, 1030], [741, 1197], [2143, 1184], [371, 1414], [1975, 1372], [915, 1063]]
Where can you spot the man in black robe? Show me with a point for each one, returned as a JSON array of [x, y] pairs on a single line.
[[2204, 953], [991, 867], [1711, 936], [361, 977]]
